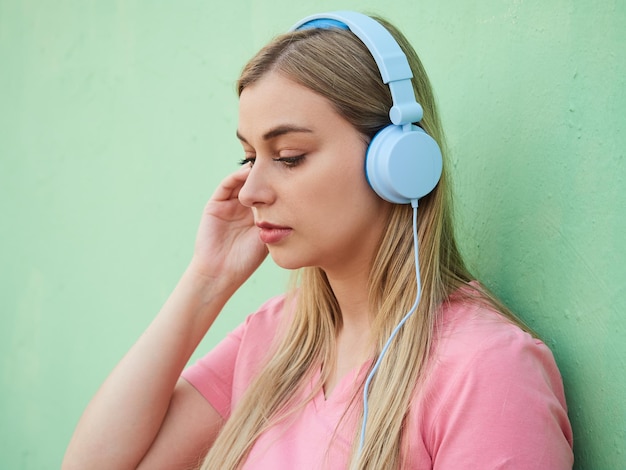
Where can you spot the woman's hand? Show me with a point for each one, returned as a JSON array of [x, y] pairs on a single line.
[[137, 416], [228, 249]]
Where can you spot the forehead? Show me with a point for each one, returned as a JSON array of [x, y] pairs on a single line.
[[276, 100]]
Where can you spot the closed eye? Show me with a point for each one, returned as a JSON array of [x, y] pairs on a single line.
[[290, 161]]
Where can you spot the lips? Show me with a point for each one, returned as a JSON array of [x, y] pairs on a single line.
[[272, 234]]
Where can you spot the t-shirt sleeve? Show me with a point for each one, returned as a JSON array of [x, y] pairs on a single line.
[[223, 375], [505, 409]]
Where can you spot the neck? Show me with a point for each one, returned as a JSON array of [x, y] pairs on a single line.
[[352, 296], [353, 340]]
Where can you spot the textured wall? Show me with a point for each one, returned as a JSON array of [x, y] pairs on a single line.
[[117, 120]]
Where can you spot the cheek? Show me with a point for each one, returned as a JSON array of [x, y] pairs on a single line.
[[348, 171], [337, 178], [343, 183], [345, 197], [352, 180]]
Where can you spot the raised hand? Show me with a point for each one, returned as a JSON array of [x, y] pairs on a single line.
[[228, 248], [137, 419]]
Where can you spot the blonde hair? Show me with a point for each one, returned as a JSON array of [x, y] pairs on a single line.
[[336, 65]]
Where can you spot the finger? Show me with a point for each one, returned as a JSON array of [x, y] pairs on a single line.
[[230, 186]]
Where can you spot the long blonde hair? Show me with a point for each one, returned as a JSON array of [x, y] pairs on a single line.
[[336, 65]]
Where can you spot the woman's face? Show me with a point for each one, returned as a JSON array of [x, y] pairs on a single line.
[[307, 186]]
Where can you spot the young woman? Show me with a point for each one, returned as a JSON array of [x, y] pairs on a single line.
[[455, 381]]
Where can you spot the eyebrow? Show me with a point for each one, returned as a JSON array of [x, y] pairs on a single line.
[[279, 131]]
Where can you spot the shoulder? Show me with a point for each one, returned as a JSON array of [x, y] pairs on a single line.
[[268, 315], [224, 373], [257, 334], [469, 331], [476, 346], [492, 393]]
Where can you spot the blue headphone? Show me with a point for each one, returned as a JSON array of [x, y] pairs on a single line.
[[403, 163]]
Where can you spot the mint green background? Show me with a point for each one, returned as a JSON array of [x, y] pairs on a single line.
[[117, 120]]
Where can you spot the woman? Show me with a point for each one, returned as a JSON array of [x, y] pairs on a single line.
[[461, 382]]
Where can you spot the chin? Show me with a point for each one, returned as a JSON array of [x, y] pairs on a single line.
[[287, 261]]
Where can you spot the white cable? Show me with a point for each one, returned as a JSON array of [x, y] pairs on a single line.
[[395, 330]]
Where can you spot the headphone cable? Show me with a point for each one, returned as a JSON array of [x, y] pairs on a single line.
[[395, 330]]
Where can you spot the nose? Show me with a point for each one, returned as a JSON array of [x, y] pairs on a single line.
[[257, 189]]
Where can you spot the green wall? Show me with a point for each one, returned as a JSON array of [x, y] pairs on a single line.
[[117, 120]]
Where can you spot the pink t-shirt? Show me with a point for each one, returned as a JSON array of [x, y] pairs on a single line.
[[493, 399]]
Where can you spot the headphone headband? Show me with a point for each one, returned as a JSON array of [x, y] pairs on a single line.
[[390, 59], [402, 163]]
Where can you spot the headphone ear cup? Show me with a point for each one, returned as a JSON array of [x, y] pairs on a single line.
[[403, 165]]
